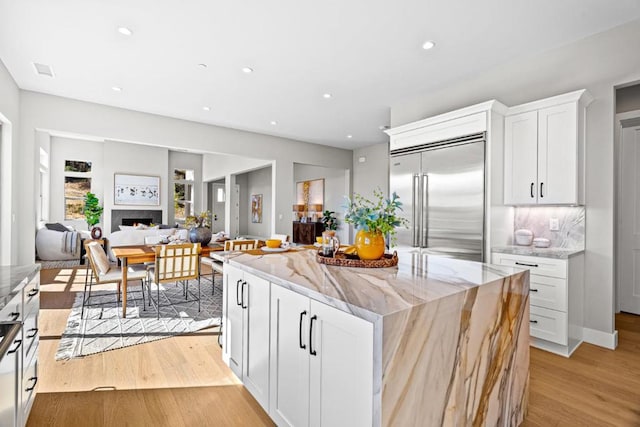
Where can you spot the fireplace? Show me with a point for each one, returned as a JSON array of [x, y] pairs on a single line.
[[134, 216]]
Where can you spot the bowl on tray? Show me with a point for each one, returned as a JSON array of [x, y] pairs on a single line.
[[273, 243]]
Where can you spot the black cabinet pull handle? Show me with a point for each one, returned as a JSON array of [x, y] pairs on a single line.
[[533, 321], [14, 316], [533, 290], [525, 264], [532, 185], [35, 381], [33, 292], [300, 339], [238, 302], [19, 343], [242, 296], [35, 332], [311, 350], [541, 184]]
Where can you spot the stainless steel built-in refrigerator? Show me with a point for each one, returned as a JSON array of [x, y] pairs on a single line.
[[441, 186]]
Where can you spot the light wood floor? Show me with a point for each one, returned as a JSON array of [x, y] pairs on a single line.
[[182, 381]]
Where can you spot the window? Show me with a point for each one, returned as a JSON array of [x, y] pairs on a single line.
[[220, 195], [183, 180], [77, 183]]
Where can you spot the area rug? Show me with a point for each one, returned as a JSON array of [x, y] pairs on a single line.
[[45, 265], [102, 327]]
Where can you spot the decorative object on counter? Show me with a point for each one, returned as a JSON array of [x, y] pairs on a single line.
[[329, 220], [571, 221], [199, 231], [541, 242], [373, 220], [136, 190], [256, 208], [330, 243], [92, 213], [273, 243], [523, 237], [342, 259]]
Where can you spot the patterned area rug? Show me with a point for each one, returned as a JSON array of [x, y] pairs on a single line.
[[45, 265], [102, 328]]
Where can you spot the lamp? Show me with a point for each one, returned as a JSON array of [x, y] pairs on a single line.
[[297, 209], [315, 208]]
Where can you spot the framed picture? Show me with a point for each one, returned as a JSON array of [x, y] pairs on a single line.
[[310, 195], [256, 208], [137, 190]]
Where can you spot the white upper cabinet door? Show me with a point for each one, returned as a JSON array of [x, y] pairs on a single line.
[[521, 153], [234, 318], [558, 154], [341, 368]]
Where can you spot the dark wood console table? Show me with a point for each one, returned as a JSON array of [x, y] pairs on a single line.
[[305, 233]]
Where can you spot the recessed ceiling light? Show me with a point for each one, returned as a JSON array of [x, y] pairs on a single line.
[[247, 70], [125, 31], [205, 108], [116, 88], [349, 136], [203, 65], [43, 69], [429, 44], [273, 122], [326, 96]]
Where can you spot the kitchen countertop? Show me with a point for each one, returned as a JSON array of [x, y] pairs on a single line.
[[12, 278], [558, 253]]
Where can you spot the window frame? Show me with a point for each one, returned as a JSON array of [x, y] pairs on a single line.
[[188, 203], [71, 174]]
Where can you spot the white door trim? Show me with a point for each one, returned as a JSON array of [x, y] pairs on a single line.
[[617, 176], [6, 173]]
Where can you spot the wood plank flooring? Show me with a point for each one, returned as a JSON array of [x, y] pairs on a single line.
[[182, 381]]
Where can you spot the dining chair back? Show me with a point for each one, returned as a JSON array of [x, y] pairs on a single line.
[[282, 237], [240, 245]]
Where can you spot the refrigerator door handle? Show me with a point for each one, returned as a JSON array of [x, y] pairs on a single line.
[[425, 211], [415, 212]]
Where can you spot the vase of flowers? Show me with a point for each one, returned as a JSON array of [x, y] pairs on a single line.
[[374, 220], [199, 231], [92, 214]]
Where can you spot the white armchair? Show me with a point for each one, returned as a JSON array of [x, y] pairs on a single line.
[[50, 245]]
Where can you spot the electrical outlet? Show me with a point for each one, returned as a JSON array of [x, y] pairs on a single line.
[[554, 224]]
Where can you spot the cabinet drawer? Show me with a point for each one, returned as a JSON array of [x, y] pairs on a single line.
[[31, 298], [537, 265], [29, 381], [550, 325], [548, 292], [30, 334], [12, 312]]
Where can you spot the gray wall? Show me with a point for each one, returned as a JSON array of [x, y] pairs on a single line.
[[597, 63], [259, 182], [374, 172], [11, 188], [628, 99]]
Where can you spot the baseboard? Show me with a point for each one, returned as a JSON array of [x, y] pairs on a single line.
[[599, 338]]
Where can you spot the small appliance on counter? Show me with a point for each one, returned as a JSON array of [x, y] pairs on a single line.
[[541, 242], [523, 237]]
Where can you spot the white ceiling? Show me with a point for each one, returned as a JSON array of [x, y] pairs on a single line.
[[366, 53]]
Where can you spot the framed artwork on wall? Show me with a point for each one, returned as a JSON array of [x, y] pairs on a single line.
[[256, 208], [139, 190]]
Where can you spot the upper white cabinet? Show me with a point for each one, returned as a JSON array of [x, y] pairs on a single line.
[[544, 151]]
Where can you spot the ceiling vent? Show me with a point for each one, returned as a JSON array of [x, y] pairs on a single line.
[[43, 69]]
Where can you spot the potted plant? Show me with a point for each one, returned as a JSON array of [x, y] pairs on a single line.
[[329, 220], [92, 213], [199, 231], [373, 220]]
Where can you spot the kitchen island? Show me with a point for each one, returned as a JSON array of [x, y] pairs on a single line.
[[431, 342]]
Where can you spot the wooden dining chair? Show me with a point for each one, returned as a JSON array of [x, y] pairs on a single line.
[[240, 245], [102, 272], [175, 264]]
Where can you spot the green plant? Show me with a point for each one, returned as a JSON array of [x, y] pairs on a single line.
[[92, 209], [329, 220], [376, 216], [201, 220]]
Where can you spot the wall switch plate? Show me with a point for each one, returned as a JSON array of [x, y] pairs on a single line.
[[554, 224], [280, 217]]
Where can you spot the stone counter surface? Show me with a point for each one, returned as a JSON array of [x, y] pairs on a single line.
[[557, 253], [451, 337], [12, 278]]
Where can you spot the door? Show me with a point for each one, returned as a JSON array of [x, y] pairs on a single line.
[[404, 179], [521, 159], [558, 154], [234, 282], [453, 203], [255, 366], [341, 368], [289, 394], [218, 198], [629, 221]]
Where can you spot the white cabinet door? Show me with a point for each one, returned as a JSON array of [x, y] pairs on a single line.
[[521, 145], [289, 394], [255, 364], [558, 154], [341, 368], [233, 319]]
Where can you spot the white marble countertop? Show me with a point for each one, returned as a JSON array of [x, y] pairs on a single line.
[[370, 292], [11, 279], [558, 253]]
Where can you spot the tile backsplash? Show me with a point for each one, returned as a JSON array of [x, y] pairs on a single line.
[[571, 221]]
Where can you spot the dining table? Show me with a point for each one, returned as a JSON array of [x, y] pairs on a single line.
[[139, 254]]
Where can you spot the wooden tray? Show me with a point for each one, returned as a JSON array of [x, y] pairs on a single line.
[[343, 260]]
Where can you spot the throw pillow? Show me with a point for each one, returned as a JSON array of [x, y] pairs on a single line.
[[56, 227]]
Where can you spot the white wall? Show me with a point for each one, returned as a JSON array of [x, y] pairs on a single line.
[[48, 112], [373, 172], [336, 187], [597, 63], [180, 160], [11, 189]]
